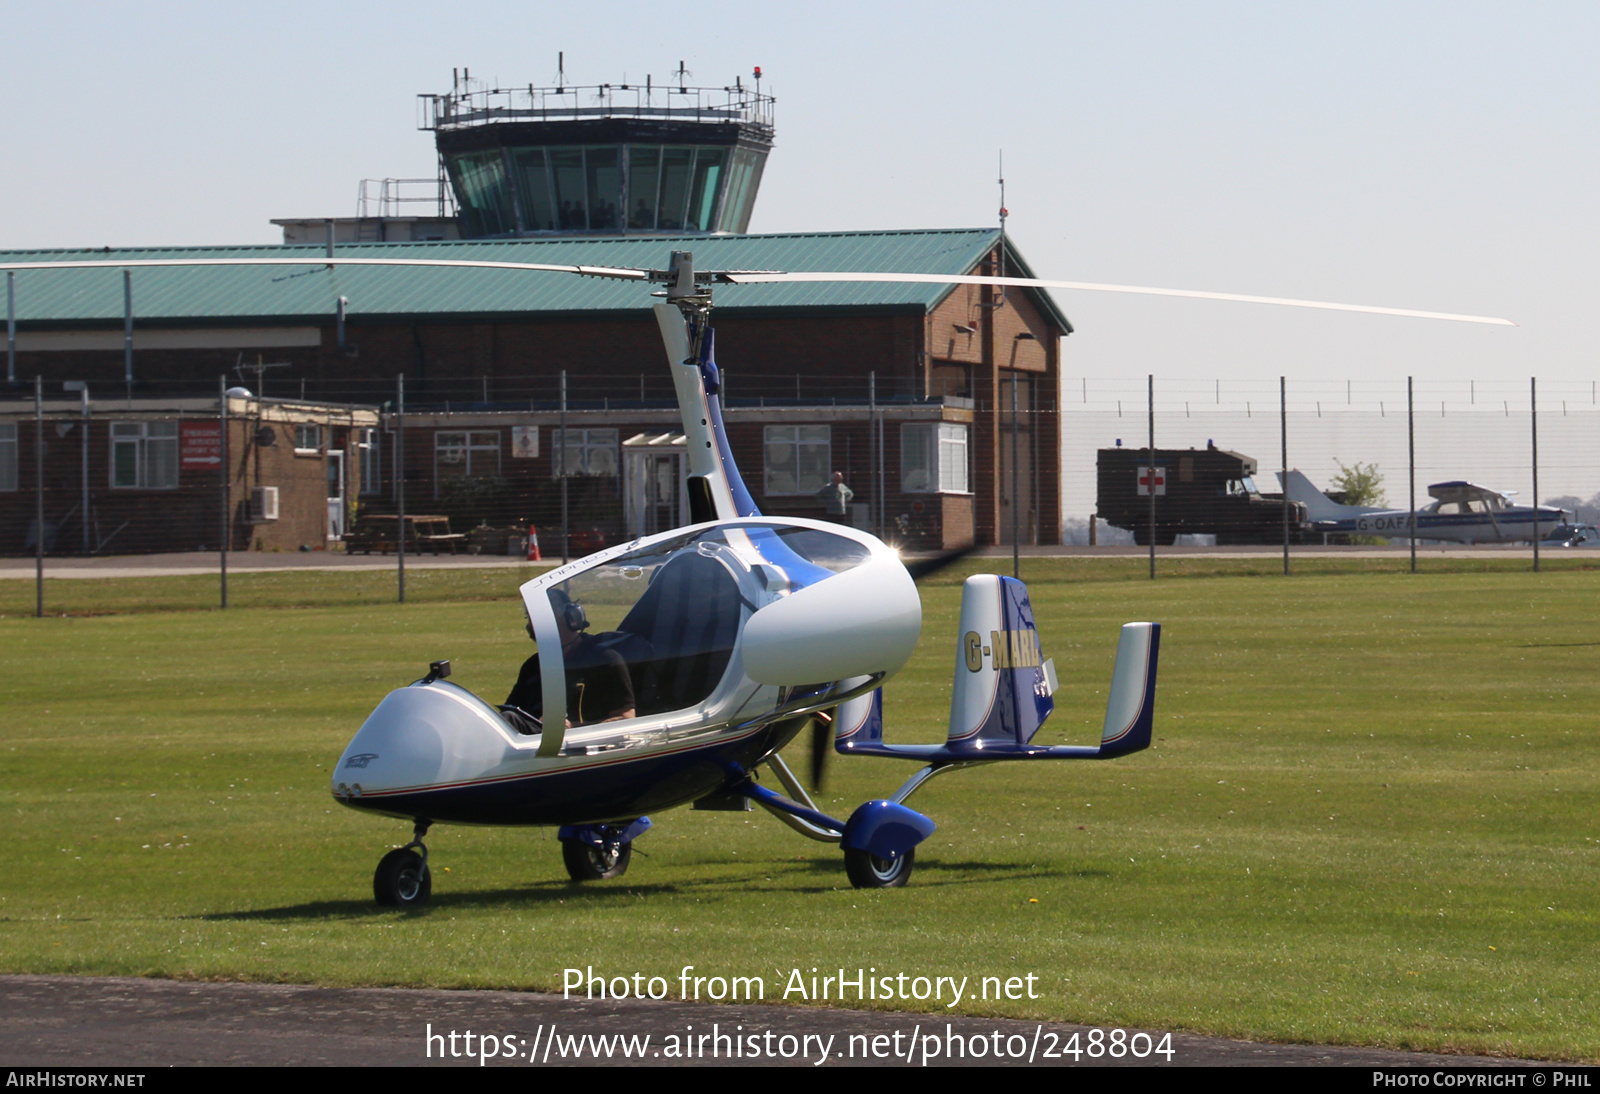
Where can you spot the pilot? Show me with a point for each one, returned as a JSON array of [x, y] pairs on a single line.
[[599, 687]]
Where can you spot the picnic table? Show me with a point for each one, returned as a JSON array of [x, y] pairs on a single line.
[[423, 532]]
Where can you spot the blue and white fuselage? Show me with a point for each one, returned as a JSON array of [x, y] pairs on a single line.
[[677, 610]]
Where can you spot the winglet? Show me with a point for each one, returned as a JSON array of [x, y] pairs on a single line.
[[1131, 706]]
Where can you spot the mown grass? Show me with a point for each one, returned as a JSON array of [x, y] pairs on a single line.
[[1370, 815]]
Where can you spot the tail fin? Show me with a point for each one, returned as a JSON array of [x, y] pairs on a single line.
[[1130, 708], [1319, 507], [1003, 683]]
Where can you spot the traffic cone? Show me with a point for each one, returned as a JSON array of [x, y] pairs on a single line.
[[533, 544]]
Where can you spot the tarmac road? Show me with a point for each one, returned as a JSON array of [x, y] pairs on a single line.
[[62, 1021]]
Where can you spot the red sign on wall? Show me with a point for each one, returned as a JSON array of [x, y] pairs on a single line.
[[200, 444]]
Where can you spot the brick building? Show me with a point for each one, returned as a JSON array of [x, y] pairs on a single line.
[[147, 474], [906, 389]]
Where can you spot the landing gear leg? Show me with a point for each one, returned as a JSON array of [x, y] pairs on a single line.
[[402, 879]]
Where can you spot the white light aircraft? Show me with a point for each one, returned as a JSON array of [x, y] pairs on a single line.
[[1460, 513]]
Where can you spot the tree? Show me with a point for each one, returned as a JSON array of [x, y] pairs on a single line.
[[1361, 484]]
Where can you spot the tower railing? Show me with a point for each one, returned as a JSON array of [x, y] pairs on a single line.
[[470, 104]]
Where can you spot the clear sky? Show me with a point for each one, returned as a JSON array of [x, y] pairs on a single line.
[[1440, 156]]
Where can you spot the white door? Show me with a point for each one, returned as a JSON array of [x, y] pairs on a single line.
[[335, 494], [655, 499]]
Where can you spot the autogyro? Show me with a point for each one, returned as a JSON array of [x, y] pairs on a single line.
[[672, 668]]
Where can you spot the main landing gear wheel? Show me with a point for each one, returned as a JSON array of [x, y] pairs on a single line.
[[868, 871], [402, 879], [586, 862]]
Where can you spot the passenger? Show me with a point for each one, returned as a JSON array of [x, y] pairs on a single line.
[[599, 687]]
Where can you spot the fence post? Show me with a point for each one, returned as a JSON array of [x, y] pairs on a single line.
[[222, 424], [1533, 412], [1016, 498], [1150, 398], [1411, 460], [127, 331], [400, 483], [1283, 437], [11, 326], [38, 492], [566, 532]]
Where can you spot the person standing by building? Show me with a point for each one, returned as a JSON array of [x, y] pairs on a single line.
[[836, 498]]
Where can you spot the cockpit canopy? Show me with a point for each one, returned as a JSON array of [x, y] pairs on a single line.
[[661, 622], [1455, 498]]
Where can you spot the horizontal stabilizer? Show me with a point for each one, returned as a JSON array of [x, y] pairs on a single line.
[[1004, 687]]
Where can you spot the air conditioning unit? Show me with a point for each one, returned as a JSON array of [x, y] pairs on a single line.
[[264, 503]]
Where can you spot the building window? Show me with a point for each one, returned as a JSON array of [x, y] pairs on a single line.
[[144, 455], [933, 458], [308, 438], [799, 458], [587, 452], [8, 456], [471, 454], [371, 469]]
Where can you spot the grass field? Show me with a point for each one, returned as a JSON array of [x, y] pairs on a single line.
[[1369, 816]]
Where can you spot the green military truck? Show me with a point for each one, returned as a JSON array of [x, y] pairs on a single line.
[[1199, 491]]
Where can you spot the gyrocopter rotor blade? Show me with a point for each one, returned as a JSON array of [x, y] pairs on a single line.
[[740, 278], [682, 285], [620, 272]]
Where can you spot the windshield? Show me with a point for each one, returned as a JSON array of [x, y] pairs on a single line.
[[653, 630]]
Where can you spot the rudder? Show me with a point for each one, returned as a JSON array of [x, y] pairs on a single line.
[[1003, 684]]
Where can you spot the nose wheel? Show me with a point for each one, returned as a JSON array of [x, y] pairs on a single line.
[[586, 862], [402, 879]]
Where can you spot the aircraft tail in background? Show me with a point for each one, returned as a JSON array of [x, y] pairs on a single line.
[[1319, 507]]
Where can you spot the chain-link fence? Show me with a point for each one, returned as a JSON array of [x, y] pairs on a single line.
[[513, 471], [430, 470], [1396, 444]]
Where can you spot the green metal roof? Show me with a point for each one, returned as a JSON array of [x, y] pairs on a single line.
[[278, 294]]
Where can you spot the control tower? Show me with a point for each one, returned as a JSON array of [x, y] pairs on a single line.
[[603, 160]]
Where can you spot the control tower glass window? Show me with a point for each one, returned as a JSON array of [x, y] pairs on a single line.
[[480, 179], [707, 174], [607, 188], [676, 163], [644, 181], [533, 176], [604, 168], [569, 192]]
